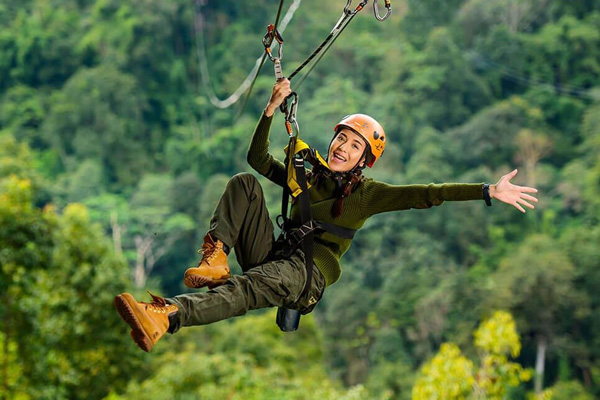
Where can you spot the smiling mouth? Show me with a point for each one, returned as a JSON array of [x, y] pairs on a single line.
[[338, 157]]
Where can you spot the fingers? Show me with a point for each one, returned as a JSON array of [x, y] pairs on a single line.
[[281, 90], [526, 204], [518, 207], [505, 179], [526, 189], [528, 197], [511, 174], [283, 87]]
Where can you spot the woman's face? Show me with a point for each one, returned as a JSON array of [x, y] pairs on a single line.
[[346, 150]]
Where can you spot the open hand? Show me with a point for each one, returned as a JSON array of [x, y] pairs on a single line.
[[513, 194], [281, 90]]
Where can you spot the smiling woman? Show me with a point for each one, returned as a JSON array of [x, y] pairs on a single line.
[[340, 197], [346, 148], [360, 130]]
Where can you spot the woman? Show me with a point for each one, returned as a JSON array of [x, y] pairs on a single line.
[[339, 195]]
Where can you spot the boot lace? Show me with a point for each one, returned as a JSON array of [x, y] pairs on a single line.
[[158, 304], [209, 252]]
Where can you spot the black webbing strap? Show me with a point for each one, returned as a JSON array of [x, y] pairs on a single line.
[[288, 319], [296, 235], [345, 233], [305, 216]]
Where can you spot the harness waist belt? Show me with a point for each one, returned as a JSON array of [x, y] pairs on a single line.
[[294, 237]]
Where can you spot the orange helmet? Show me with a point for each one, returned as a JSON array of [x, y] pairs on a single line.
[[370, 130]]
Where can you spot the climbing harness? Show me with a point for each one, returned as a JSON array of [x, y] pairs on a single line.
[[297, 153]]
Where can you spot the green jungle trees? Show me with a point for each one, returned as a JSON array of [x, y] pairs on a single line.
[[112, 158]]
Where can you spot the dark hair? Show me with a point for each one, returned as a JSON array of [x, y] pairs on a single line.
[[346, 183]]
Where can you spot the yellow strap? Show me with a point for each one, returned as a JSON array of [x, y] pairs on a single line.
[[322, 160], [299, 146]]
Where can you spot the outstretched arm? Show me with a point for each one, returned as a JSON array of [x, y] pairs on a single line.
[[379, 197], [511, 194]]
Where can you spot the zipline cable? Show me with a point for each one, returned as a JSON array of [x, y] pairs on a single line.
[[297, 84], [344, 20], [563, 89], [201, 50], [264, 57], [340, 25]]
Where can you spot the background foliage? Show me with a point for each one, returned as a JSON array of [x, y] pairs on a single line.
[[112, 158]]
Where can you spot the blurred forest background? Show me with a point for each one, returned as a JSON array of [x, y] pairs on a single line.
[[112, 158]]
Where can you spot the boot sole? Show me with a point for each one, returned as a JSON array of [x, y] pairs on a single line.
[[198, 281], [138, 334]]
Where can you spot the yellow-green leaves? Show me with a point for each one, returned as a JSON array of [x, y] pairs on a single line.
[[450, 375], [498, 335]]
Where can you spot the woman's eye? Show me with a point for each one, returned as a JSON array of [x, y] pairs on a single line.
[[355, 146]]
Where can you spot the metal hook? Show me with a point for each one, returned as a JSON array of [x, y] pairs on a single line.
[[388, 5], [347, 7], [290, 114], [267, 41], [359, 7]]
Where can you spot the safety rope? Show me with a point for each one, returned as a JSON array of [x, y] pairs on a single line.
[[248, 82], [343, 21], [347, 15], [243, 106], [298, 83]]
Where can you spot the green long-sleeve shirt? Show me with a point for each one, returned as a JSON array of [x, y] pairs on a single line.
[[370, 198]]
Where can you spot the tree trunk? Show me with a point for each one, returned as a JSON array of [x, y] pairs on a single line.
[[587, 377], [116, 233], [141, 250], [531, 173], [539, 364]]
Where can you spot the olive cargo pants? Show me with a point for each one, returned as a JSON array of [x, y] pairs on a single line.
[[241, 221]]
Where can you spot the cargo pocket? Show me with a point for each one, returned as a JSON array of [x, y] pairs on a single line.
[[310, 300]]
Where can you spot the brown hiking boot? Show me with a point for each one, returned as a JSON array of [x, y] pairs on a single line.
[[148, 321], [212, 270]]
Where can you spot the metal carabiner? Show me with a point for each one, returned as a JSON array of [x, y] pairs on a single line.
[[388, 5], [267, 41], [347, 13], [290, 125], [359, 7], [290, 114], [294, 105]]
